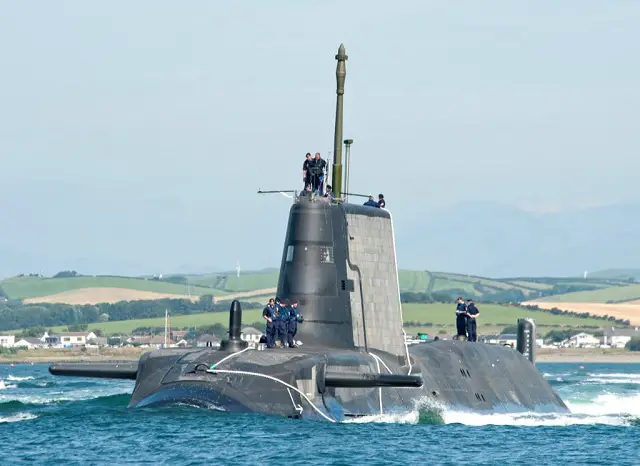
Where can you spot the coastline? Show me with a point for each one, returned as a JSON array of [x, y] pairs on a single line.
[[577, 355], [73, 355], [586, 355]]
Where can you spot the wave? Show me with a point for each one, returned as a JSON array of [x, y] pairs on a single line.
[[608, 404], [604, 409], [18, 417], [615, 375], [621, 380], [14, 378]]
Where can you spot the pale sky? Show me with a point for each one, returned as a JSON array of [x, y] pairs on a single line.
[[134, 135]]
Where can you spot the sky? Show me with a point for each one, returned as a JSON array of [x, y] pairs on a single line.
[[134, 135]]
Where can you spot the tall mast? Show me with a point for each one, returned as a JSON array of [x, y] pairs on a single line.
[[341, 74]]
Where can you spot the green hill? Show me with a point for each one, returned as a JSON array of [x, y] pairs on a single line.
[[35, 287], [439, 285], [613, 294]]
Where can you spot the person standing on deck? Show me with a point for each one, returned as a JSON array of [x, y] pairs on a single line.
[[268, 314], [283, 323], [294, 318], [461, 318], [472, 325]]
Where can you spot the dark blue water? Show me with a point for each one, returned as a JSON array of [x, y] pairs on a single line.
[[85, 421]]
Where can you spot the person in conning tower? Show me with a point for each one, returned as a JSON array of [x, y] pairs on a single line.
[[371, 202], [472, 325], [268, 314], [306, 170], [292, 328], [461, 319], [317, 168], [381, 202]]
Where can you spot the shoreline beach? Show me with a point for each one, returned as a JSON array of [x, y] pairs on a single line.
[[587, 355]]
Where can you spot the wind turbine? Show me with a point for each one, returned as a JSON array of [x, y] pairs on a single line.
[[238, 269]]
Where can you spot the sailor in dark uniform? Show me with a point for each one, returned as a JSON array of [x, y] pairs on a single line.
[[294, 318], [472, 326], [306, 170], [317, 168], [461, 319], [282, 322], [268, 314]]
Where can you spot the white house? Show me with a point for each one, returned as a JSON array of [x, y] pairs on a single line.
[[250, 335], [617, 337], [581, 340], [28, 343], [7, 341], [207, 340], [75, 338], [50, 340]]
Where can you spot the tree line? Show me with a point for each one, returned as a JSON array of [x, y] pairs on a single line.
[[14, 314]]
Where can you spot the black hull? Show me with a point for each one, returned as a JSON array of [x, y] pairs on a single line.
[[457, 375]]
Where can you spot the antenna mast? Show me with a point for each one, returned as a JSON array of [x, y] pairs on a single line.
[[341, 74]]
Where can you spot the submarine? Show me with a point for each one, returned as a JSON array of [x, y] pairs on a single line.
[[339, 262]]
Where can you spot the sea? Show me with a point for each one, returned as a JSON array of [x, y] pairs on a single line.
[[76, 421]]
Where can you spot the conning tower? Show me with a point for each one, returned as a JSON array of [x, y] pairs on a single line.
[[339, 262]]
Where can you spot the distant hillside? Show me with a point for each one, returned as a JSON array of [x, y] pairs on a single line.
[[37, 287], [613, 294], [415, 285], [618, 274]]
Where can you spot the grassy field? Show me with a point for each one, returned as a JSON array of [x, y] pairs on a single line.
[[230, 282], [492, 316], [615, 293], [32, 287], [532, 285], [221, 284]]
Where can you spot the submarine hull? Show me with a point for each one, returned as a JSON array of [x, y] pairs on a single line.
[[295, 383]]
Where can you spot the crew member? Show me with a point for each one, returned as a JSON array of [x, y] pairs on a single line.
[[381, 203], [317, 168], [306, 191], [472, 314], [330, 194], [371, 202], [461, 319], [268, 314], [294, 318], [306, 170], [282, 322]]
